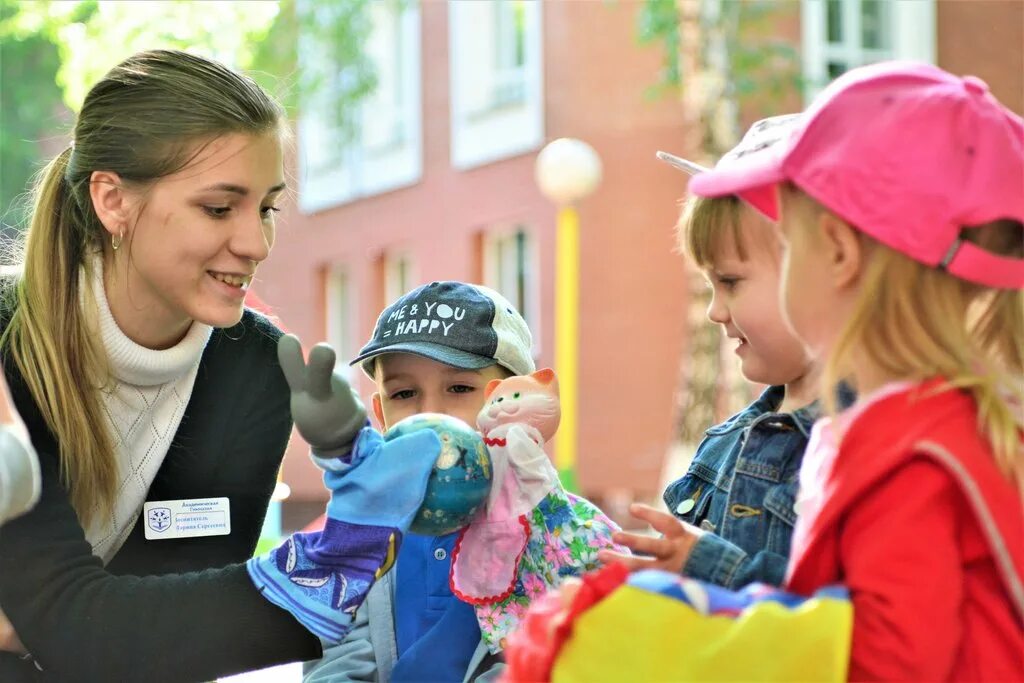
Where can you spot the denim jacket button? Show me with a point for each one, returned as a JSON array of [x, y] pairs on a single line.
[[685, 506], [707, 525]]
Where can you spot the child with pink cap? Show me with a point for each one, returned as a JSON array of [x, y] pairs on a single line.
[[900, 200]]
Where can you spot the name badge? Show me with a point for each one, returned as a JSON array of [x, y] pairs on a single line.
[[187, 518]]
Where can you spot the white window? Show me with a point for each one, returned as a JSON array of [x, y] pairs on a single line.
[[385, 152], [510, 267], [841, 34], [399, 277], [341, 319], [496, 80]]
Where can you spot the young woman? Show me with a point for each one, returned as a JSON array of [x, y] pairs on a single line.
[[141, 377]]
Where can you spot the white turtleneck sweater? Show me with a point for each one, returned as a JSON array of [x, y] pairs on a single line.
[[149, 392]]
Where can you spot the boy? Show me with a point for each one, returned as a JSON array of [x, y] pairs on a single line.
[[734, 509], [433, 350]]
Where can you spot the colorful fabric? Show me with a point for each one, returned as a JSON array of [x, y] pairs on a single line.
[[486, 564], [566, 532], [532, 648], [322, 577], [689, 630]]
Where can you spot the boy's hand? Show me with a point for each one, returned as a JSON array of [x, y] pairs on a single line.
[[327, 413], [668, 553]]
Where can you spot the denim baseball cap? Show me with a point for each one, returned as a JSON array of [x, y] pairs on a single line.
[[462, 325]]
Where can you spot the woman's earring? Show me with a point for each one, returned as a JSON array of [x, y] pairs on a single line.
[[115, 240]]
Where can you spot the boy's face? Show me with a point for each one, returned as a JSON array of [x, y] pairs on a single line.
[[408, 384], [745, 302]]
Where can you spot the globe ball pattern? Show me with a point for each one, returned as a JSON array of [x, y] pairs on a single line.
[[461, 478]]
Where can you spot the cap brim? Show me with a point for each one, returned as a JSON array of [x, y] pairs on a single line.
[[681, 163], [455, 358], [752, 178]]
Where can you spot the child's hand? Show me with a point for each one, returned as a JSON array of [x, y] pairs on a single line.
[[669, 552]]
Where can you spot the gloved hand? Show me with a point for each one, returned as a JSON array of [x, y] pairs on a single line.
[[376, 489], [326, 411]]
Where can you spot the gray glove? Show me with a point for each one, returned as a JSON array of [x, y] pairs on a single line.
[[327, 412]]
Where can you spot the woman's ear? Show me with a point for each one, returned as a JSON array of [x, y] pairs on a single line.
[[111, 202], [843, 249]]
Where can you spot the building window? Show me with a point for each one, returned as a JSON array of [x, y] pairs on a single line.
[[399, 278], [496, 80], [340, 318], [839, 35], [510, 268], [385, 151]]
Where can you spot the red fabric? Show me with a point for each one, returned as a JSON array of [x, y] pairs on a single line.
[[903, 531], [531, 650]]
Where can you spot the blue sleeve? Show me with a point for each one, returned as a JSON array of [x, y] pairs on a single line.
[[716, 560]]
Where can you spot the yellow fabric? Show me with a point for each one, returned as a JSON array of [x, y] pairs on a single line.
[[635, 635]]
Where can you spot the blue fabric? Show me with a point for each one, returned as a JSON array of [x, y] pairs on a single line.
[[436, 633], [322, 577], [708, 598], [741, 485]]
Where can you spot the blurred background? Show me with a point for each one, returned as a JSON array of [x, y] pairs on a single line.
[[417, 131]]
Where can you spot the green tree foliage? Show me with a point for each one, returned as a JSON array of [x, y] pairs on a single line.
[[30, 102], [758, 61], [719, 56], [51, 52]]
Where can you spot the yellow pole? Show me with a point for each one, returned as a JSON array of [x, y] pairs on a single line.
[[567, 283]]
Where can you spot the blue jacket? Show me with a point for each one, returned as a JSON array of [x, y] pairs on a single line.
[[370, 650], [741, 487]]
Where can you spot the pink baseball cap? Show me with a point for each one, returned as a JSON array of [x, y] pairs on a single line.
[[907, 153], [762, 134]]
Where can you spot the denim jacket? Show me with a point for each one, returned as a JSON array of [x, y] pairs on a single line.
[[741, 487]]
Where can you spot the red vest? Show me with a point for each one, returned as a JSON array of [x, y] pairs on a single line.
[[928, 535]]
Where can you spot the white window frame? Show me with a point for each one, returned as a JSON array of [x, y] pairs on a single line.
[[479, 138], [363, 171], [340, 318], [495, 240], [393, 286], [913, 34]]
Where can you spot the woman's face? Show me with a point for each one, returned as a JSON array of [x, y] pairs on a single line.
[[196, 240]]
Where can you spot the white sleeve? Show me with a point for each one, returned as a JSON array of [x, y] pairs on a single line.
[[19, 472]]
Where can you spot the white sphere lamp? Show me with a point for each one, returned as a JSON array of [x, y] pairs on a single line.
[[567, 170]]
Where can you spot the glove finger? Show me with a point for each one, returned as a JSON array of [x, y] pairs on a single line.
[[289, 356], [321, 367]]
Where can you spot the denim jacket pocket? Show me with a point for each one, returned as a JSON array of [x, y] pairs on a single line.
[[689, 498], [780, 500]]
